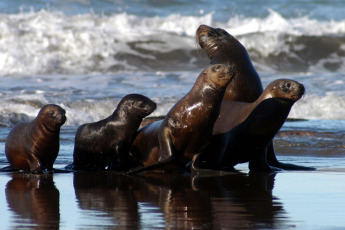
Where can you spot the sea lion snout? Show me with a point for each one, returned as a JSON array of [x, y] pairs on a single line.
[[61, 118], [149, 107], [202, 40], [301, 89]]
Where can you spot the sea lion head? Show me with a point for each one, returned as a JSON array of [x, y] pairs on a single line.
[[139, 104], [217, 43], [52, 116], [285, 89], [219, 76]]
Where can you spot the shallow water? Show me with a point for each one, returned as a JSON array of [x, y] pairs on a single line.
[[289, 200], [241, 200]]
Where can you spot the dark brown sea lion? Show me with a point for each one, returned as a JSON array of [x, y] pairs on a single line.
[[105, 144], [187, 128], [223, 48], [248, 132], [33, 146]]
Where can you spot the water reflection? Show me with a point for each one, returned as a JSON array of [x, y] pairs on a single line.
[[244, 201], [110, 193], [35, 199], [146, 201], [181, 201]]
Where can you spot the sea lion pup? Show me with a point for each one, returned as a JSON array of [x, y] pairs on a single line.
[[247, 133], [223, 48], [33, 146], [105, 144], [187, 128]]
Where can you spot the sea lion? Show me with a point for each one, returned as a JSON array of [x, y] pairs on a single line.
[[250, 128], [187, 127], [223, 48], [33, 146], [105, 143]]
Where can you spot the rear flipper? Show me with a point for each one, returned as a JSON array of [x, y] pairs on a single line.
[[291, 166], [8, 169]]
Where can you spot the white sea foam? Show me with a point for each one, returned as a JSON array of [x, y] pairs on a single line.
[[329, 107], [50, 57], [52, 42], [88, 102]]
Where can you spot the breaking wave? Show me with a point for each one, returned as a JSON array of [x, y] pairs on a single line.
[[44, 42]]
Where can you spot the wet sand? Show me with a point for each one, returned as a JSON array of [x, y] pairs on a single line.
[[241, 200]]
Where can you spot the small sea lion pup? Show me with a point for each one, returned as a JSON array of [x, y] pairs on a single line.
[[187, 128], [105, 143], [251, 127], [33, 146], [223, 48]]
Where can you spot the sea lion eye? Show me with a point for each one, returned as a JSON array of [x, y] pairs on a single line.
[[214, 33], [286, 87], [51, 114], [216, 68], [142, 104]]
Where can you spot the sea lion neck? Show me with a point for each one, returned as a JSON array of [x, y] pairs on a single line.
[[47, 127]]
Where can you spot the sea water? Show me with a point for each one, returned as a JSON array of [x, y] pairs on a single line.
[[85, 55]]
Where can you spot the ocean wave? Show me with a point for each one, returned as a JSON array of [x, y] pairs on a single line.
[[45, 42], [327, 107]]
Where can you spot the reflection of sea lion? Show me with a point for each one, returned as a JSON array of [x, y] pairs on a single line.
[[250, 127], [34, 197], [187, 127], [110, 193], [106, 143], [34, 146], [243, 201], [222, 48]]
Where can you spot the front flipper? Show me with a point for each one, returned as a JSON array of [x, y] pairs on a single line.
[[197, 167], [273, 161], [118, 158], [258, 162], [167, 155], [163, 165]]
